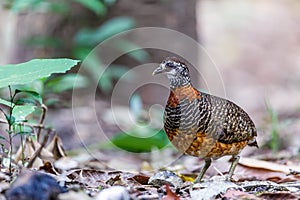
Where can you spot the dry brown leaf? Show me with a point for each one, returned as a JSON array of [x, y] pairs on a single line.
[[48, 167], [56, 148], [237, 194], [170, 195], [28, 152], [279, 195], [142, 179], [89, 177], [250, 162], [95, 178], [45, 154], [248, 173], [66, 163]]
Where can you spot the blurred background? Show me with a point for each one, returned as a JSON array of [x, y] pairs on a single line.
[[254, 44]]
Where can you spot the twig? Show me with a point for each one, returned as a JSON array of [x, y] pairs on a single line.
[[38, 152], [44, 111], [293, 172], [40, 126]]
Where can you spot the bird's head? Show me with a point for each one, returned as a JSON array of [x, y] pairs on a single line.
[[176, 70]]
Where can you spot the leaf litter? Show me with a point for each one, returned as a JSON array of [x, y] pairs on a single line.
[[85, 177]]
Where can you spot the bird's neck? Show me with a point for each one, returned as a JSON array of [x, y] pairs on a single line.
[[183, 92], [177, 82]]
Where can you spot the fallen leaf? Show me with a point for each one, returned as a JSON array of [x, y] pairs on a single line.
[[279, 195], [170, 195], [212, 188], [88, 177], [142, 179], [250, 162], [56, 148], [237, 194], [66, 163], [47, 167]]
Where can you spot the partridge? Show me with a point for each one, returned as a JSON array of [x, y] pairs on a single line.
[[200, 124]]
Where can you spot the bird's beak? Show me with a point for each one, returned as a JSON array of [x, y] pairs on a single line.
[[161, 69]]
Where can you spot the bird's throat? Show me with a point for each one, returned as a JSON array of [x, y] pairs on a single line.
[[183, 92], [177, 82]]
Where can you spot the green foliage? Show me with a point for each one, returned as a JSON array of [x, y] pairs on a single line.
[[23, 101], [136, 143], [4, 102], [275, 140], [21, 112], [43, 41], [96, 6], [92, 37], [15, 74], [66, 82], [86, 38]]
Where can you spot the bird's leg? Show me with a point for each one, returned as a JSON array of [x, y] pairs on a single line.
[[233, 166], [203, 170]]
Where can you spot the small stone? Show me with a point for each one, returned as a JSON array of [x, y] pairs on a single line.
[[165, 177]]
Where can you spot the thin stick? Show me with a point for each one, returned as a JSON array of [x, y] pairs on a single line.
[[38, 152], [44, 111]]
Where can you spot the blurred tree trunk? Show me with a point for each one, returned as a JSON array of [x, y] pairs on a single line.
[[179, 15]]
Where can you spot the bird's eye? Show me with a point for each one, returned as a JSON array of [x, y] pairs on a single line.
[[168, 64], [171, 64]]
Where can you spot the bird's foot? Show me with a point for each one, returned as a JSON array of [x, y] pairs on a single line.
[[231, 178], [198, 180], [228, 178]]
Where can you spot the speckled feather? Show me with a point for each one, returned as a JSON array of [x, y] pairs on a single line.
[[204, 125], [201, 124]]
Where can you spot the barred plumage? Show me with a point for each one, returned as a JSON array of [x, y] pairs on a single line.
[[201, 124]]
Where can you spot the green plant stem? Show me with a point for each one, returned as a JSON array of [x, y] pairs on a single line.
[[275, 142], [10, 128], [22, 147], [32, 126], [42, 119]]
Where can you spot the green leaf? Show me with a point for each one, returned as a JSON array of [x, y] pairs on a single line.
[[109, 2], [36, 86], [2, 138], [38, 5], [140, 144], [35, 96], [22, 101], [10, 119], [138, 54], [90, 37], [66, 82], [35, 69], [19, 5], [24, 133], [43, 41], [95, 5], [21, 112], [4, 102]]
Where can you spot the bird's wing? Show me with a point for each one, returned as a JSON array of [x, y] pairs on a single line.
[[230, 122]]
